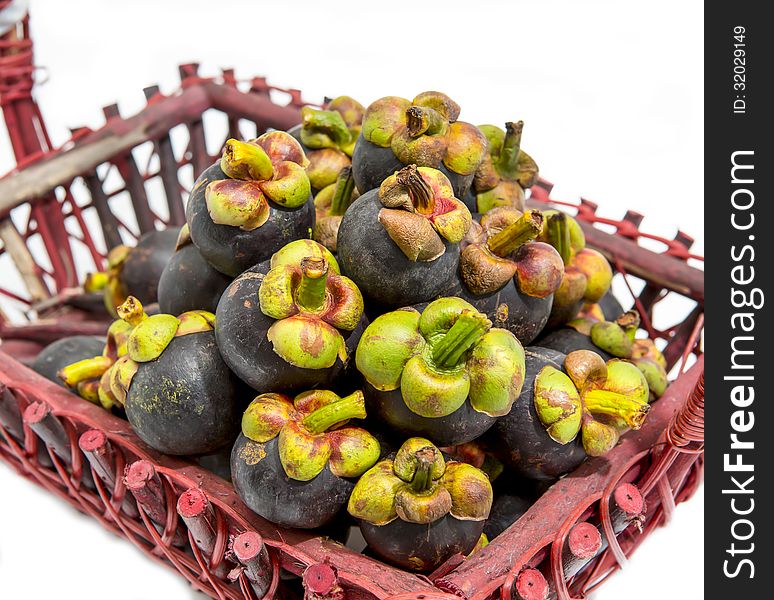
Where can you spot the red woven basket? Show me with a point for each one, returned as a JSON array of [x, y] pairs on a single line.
[[59, 212]]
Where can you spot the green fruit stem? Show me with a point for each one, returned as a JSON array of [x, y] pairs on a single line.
[[467, 330], [330, 415], [423, 476], [342, 196], [508, 163], [314, 278], [614, 404], [421, 119], [524, 229], [558, 233]]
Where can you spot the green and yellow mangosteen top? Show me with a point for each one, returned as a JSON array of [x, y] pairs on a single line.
[[617, 338], [270, 168], [600, 400], [443, 357], [312, 431], [330, 204], [418, 486], [588, 275], [503, 247], [329, 136], [311, 302], [84, 375], [506, 170], [425, 132], [420, 212]]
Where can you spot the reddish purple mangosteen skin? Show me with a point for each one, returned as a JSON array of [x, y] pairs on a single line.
[[372, 164], [185, 401], [265, 488], [64, 352], [520, 440], [145, 263], [231, 250], [463, 425], [432, 544], [367, 255], [189, 282], [241, 327]]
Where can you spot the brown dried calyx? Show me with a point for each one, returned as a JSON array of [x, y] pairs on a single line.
[[420, 212]]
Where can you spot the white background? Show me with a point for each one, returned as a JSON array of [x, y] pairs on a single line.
[[611, 94]]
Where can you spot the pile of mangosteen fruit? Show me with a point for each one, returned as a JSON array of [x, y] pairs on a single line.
[[363, 323]]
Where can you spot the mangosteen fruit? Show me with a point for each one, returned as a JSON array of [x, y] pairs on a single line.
[[252, 202], [290, 323], [189, 282], [425, 132], [416, 510], [399, 242], [505, 172], [134, 271], [63, 352], [328, 138], [572, 405], [180, 397], [587, 273], [296, 460], [330, 204], [444, 374], [508, 275]]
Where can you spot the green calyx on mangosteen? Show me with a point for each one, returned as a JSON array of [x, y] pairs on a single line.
[[309, 304], [400, 242], [330, 204], [328, 137], [614, 339], [86, 376], [587, 274], [291, 323], [425, 132], [416, 510], [444, 373], [295, 461], [597, 399], [253, 201], [506, 170]]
